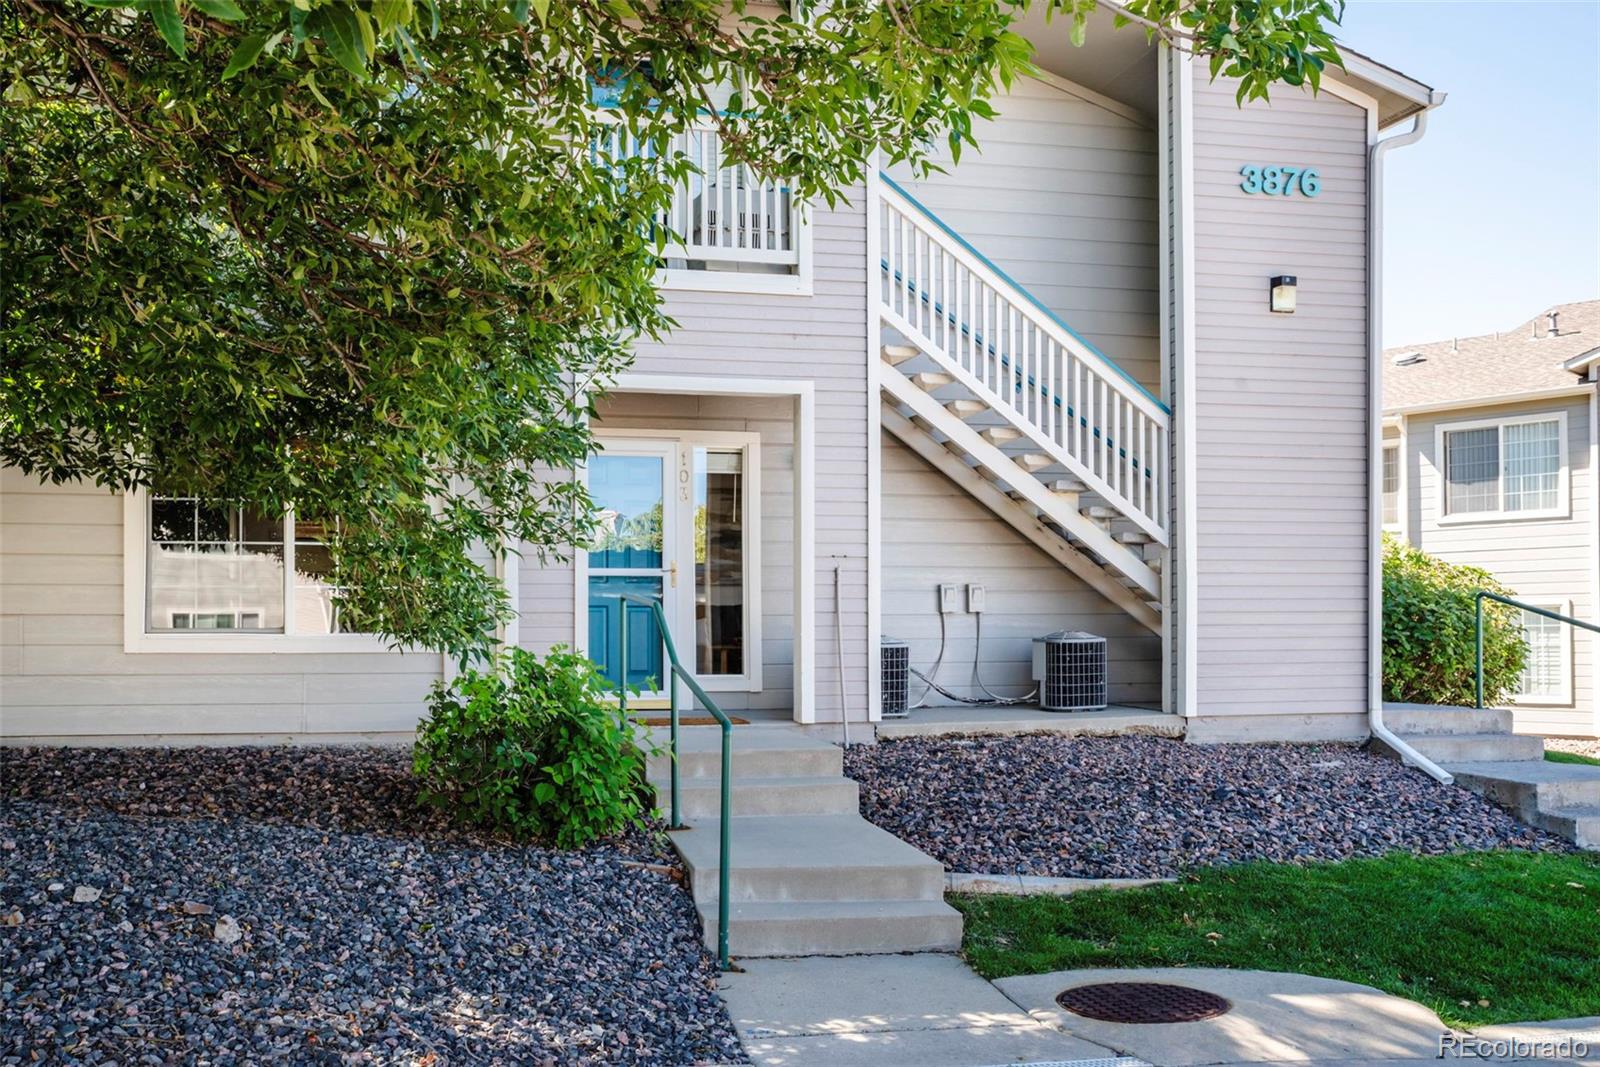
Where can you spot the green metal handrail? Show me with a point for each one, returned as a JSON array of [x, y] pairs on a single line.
[[1545, 612], [676, 672]]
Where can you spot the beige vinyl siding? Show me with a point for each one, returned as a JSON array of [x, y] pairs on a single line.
[[1061, 195], [934, 532], [744, 336], [1281, 413], [64, 674], [1543, 560]]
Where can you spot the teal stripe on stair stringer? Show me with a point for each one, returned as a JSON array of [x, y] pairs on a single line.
[[1029, 297], [1005, 361]]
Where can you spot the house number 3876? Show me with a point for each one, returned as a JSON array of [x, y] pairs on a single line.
[[1280, 181]]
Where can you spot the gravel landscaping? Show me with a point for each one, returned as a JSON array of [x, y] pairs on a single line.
[[1139, 807], [294, 906]]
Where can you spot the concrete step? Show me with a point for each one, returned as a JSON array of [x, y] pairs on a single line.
[[1477, 748], [894, 355], [930, 380], [1409, 719], [701, 798], [1529, 786], [836, 928], [758, 752], [808, 857], [1580, 825]]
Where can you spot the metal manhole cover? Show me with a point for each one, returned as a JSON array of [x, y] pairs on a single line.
[[1142, 1002]]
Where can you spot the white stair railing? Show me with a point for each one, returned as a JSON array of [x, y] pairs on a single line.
[[1081, 409]]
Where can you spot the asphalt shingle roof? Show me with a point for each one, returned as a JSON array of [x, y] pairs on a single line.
[[1520, 360]]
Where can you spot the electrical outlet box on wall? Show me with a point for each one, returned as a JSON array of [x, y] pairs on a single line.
[[948, 602], [975, 599]]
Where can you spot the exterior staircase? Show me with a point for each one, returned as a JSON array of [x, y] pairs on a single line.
[[991, 388], [1477, 746], [809, 876]]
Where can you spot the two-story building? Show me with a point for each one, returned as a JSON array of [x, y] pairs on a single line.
[[1489, 459], [1118, 367]]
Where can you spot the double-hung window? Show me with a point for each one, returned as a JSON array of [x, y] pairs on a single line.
[[207, 576], [1547, 673], [1505, 468]]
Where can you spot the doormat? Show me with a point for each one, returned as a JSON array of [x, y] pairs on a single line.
[[691, 720]]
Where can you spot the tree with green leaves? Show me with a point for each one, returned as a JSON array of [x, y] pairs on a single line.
[[373, 259]]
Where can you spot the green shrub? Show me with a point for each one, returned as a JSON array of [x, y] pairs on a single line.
[[1429, 641], [533, 750]]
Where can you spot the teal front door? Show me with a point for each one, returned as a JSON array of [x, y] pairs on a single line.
[[630, 484]]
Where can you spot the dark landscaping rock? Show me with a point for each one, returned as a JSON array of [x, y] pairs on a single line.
[[337, 923], [1139, 807]]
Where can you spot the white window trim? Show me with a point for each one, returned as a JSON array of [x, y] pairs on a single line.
[[1398, 447], [686, 441], [135, 638], [1563, 508], [1563, 698]]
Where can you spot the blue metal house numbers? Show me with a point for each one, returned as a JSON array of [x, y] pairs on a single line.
[[1280, 180]]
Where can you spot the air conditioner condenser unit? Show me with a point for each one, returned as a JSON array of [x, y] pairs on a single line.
[[1070, 667], [896, 657]]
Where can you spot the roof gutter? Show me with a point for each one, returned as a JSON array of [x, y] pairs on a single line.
[[1375, 158]]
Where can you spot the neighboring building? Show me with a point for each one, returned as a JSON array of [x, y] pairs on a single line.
[[1489, 458], [1052, 372]]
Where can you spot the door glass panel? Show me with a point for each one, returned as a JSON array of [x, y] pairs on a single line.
[[645, 655], [627, 496], [719, 550]]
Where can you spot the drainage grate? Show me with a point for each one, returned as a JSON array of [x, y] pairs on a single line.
[[1142, 1002]]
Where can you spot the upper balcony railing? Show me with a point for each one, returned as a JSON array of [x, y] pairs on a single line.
[[725, 217]]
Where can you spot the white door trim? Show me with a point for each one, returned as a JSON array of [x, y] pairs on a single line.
[[683, 625], [803, 395]]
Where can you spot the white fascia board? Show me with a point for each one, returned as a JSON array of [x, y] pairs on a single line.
[[1582, 360]]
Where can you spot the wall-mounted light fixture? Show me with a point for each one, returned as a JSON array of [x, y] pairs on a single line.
[[1283, 287]]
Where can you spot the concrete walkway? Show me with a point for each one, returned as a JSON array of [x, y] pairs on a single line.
[[922, 1010], [930, 1010]]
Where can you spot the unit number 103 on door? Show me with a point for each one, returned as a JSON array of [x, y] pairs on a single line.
[[1280, 181]]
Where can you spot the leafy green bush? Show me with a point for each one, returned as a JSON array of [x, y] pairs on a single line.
[[533, 750], [1429, 643]]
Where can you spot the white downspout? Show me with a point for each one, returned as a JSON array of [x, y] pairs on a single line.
[[1375, 445]]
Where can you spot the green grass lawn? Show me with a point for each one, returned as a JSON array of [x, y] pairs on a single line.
[[1478, 937], [1570, 757]]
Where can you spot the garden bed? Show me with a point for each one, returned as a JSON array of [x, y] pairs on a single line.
[[1139, 807], [367, 930]]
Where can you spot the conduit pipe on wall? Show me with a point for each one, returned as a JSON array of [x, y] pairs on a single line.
[[1375, 159]]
